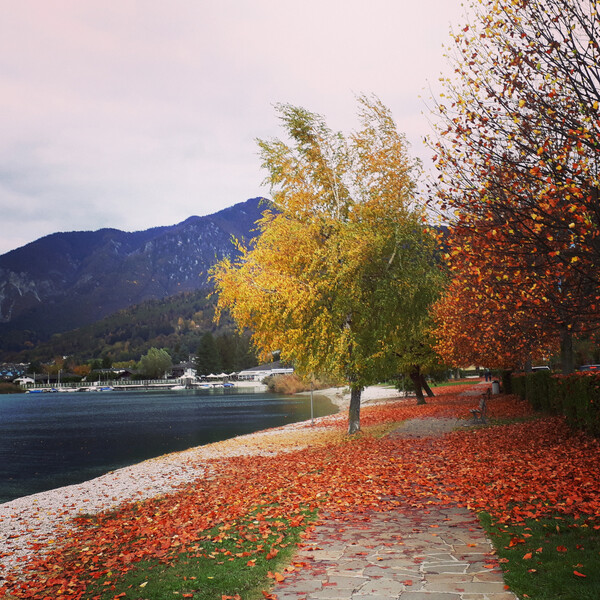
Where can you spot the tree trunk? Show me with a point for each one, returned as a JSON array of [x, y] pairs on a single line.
[[415, 375], [354, 411], [567, 358], [426, 387]]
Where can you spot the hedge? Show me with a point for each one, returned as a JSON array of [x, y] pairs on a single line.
[[576, 396]]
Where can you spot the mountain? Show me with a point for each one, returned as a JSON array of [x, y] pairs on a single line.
[[176, 324], [67, 280]]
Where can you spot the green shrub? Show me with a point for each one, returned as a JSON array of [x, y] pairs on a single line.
[[576, 396], [506, 378], [404, 384], [518, 385]]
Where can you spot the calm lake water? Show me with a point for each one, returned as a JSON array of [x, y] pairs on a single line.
[[52, 440]]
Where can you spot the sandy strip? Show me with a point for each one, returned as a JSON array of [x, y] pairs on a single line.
[[32, 524]]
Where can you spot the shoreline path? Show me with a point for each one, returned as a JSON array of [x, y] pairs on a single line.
[[441, 554], [406, 554]]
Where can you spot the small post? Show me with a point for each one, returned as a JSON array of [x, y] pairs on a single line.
[[312, 414]]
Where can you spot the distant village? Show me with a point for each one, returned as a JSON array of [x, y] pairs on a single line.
[[183, 374]]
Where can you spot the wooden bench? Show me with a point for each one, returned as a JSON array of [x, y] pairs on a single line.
[[479, 412]]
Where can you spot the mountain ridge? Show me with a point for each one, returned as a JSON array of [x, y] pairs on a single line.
[[65, 280]]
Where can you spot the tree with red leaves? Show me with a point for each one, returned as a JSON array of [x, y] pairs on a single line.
[[518, 152]]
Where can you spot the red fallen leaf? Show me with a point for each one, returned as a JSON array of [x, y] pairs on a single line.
[[503, 560], [408, 582], [274, 552], [144, 529], [269, 596], [514, 541], [251, 563], [187, 595], [279, 577], [579, 574], [527, 556], [561, 549]]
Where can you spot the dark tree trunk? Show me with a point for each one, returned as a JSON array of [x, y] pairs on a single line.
[[567, 359], [426, 387], [354, 410], [415, 376]]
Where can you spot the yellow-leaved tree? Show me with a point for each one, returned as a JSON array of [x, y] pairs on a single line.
[[342, 275]]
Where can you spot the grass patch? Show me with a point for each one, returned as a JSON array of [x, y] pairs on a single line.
[[450, 383], [222, 565], [550, 559]]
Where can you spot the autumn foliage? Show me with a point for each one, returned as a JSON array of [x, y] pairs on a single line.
[[342, 275], [526, 469], [517, 152]]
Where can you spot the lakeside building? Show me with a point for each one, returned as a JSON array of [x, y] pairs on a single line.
[[267, 370]]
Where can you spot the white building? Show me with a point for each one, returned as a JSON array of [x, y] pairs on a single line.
[[262, 371]]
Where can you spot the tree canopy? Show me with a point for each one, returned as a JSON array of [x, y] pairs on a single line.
[[155, 363], [208, 359], [518, 155], [342, 274]]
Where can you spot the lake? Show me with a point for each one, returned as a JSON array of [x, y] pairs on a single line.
[[56, 439]]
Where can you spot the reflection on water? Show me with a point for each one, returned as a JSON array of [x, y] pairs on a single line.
[[51, 440]]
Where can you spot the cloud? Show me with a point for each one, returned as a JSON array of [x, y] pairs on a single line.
[[142, 113]]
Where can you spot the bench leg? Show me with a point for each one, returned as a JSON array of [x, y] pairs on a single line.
[[477, 416]]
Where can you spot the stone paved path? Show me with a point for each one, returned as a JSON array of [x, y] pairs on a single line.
[[404, 554]]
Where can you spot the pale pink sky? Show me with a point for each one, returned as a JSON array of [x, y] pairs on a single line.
[[139, 113]]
